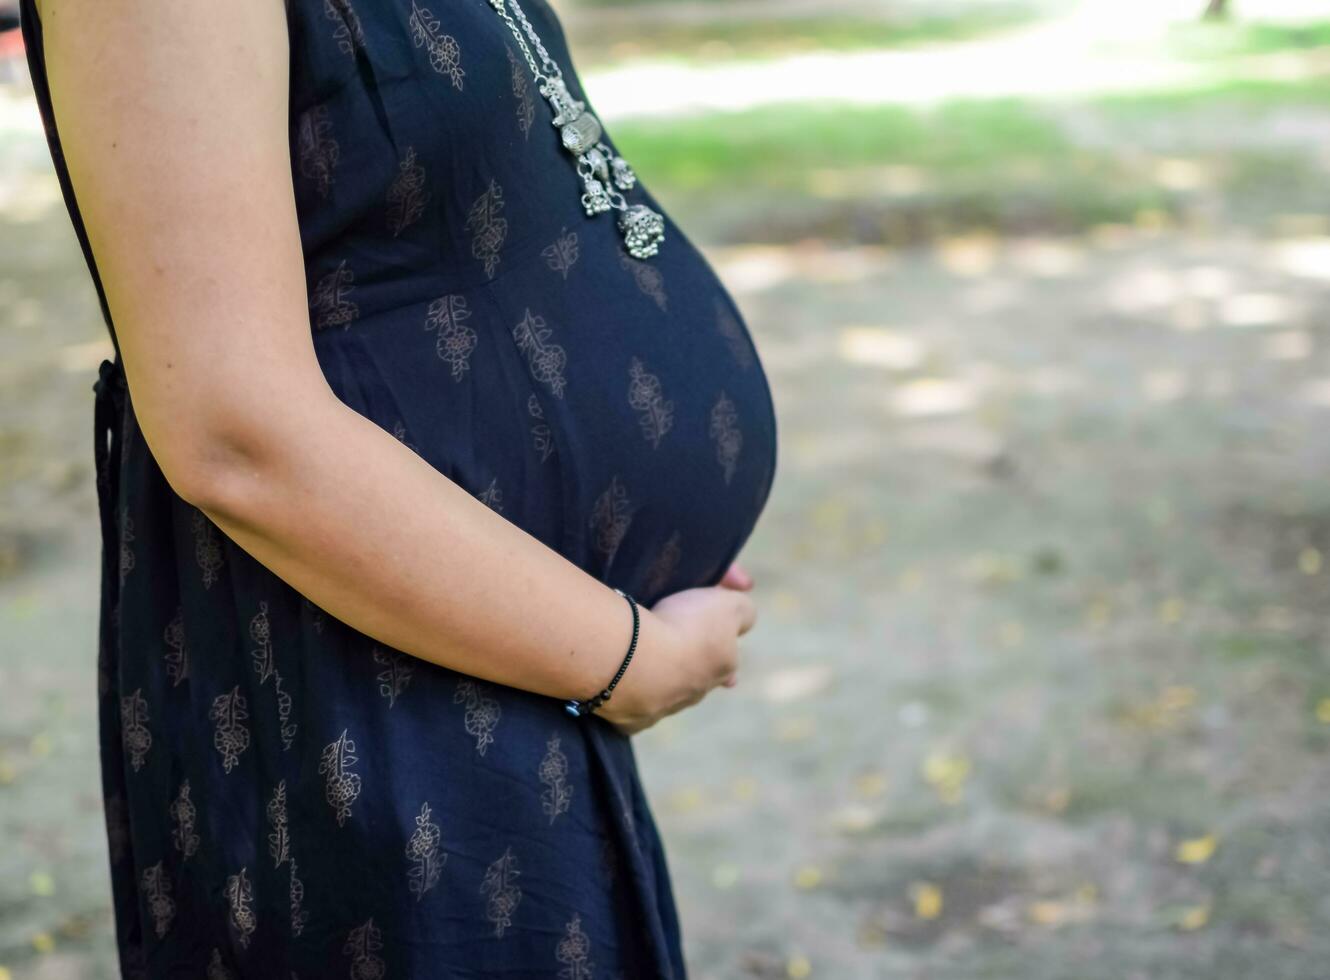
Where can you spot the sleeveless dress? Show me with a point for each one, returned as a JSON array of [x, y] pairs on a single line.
[[286, 797]]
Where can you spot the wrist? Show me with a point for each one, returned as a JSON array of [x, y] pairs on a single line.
[[637, 693]]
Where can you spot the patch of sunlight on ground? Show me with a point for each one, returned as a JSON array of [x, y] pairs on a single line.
[[1047, 258], [1095, 47], [957, 440], [1316, 393], [1141, 290], [881, 347], [1289, 345], [1256, 310], [754, 268], [796, 683], [969, 256], [933, 396], [1164, 385], [1308, 258]]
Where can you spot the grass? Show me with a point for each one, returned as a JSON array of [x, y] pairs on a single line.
[[598, 43], [1222, 39], [900, 174], [777, 146], [1239, 93]]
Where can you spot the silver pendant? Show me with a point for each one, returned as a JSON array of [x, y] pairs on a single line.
[[643, 231], [596, 200], [582, 134], [566, 108], [624, 178], [603, 172]]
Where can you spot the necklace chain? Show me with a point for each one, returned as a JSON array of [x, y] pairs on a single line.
[[603, 172], [552, 69], [551, 66]]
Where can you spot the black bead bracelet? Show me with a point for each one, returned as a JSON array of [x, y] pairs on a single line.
[[576, 707]]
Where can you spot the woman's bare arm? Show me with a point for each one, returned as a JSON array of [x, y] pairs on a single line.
[[173, 116]]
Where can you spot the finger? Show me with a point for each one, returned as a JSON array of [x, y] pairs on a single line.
[[747, 612], [736, 577], [731, 680]]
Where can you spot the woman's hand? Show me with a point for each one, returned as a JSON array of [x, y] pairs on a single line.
[[736, 578], [687, 645]]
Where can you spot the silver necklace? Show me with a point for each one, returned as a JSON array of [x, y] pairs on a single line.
[[604, 173]]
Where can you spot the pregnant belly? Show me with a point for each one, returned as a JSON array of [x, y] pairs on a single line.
[[616, 409]]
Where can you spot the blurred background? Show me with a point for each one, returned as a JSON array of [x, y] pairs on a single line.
[[1040, 686]]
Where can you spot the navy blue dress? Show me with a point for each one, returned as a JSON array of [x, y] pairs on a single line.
[[284, 795]]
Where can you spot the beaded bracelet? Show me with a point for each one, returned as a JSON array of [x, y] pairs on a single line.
[[576, 707]]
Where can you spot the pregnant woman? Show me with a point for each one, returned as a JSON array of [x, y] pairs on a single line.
[[425, 428]]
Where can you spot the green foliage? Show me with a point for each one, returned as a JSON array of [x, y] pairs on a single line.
[[1222, 39], [742, 39]]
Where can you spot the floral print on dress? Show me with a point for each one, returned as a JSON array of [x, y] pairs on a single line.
[[662, 567], [649, 279], [341, 786], [502, 892], [610, 517], [562, 254], [348, 33], [445, 55], [553, 772], [240, 910], [526, 102], [362, 943], [407, 194], [286, 727], [316, 615], [492, 496], [157, 891], [541, 435], [725, 432], [126, 552], [279, 837], [329, 303], [296, 897], [260, 632], [399, 433], [134, 728], [230, 737], [545, 358], [207, 547], [448, 315], [734, 336], [317, 151], [488, 228], [396, 673], [183, 819], [482, 711], [217, 969], [265, 666], [176, 656], [423, 855], [574, 952], [644, 395]]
